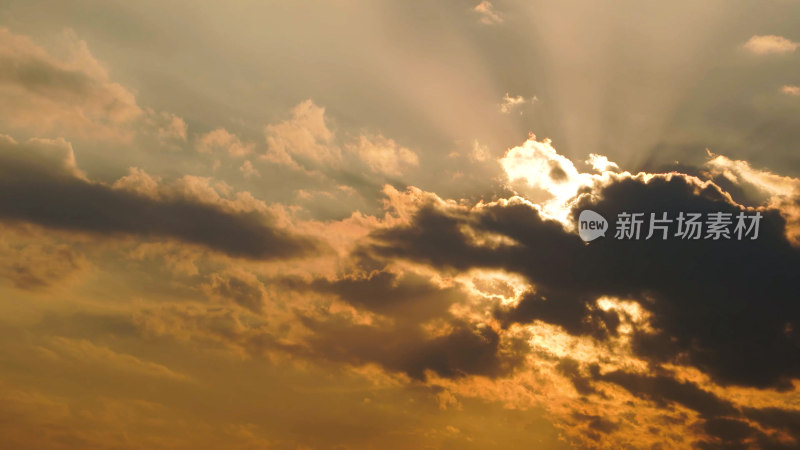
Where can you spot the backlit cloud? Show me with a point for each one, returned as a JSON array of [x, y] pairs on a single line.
[[256, 227]]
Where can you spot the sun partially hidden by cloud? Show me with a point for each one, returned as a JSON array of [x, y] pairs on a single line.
[[257, 227], [539, 166]]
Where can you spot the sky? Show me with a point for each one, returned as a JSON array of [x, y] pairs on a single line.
[[351, 224]]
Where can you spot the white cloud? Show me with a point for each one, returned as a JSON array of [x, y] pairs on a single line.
[[536, 168], [487, 13], [601, 163], [511, 103], [540, 165], [770, 44], [738, 171]]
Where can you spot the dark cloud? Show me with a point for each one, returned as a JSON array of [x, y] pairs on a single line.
[[462, 350], [597, 423], [727, 432], [409, 302], [41, 185], [663, 389], [777, 418], [45, 78], [724, 424], [570, 368], [408, 296], [730, 307]]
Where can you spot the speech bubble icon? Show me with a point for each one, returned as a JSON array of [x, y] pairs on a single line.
[[591, 225]]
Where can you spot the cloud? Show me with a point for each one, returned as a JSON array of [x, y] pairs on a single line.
[[488, 15], [791, 90], [170, 127], [303, 139], [225, 141], [664, 388], [394, 318], [490, 300], [362, 162], [372, 315], [722, 287], [72, 94], [66, 91], [783, 193], [480, 152], [239, 286], [87, 352], [42, 185], [248, 170], [587, 331], [38, 265], [744, 288], [384, 155], [723, 423], [463, 350], [601, 163], [49, 157], [538, 168], [770, 44], [512, 103]]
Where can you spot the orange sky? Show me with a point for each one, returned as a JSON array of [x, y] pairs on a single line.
[[351, 224]]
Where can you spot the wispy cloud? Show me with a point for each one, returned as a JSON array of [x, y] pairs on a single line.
[[487, 13], [511, 103]]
